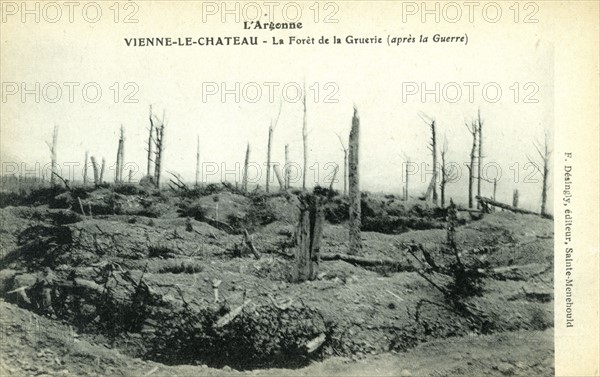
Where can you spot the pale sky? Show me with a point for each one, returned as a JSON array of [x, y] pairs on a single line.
[[370, 76]]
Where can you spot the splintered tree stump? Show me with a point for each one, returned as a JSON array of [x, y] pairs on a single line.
[[250, 245], [309, 232], [355, 244]]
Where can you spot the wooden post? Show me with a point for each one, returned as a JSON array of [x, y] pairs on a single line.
[[130, 175], [355, 242], [245, 173], [495, 183], [515, 201]]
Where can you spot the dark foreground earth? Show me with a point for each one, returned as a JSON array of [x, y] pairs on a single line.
[[128, 289]]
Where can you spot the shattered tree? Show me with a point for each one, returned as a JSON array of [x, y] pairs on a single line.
[[85, 168], [544, 151], [197, 180], [272, 127], [480, 150], [270, 139], [304, 142], [96, 172], [448, 174], [473, 131], [159, 146], [120, 157], [149, 146], [286, 168], [345, 151], [355, 242], [53, 152], [309, 232], [245, 173]]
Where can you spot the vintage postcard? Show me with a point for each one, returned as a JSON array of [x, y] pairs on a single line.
[[315, 188]]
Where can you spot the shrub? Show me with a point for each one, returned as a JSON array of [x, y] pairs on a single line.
[[185, 267], [193, 210], [130, 189], [160, 251]]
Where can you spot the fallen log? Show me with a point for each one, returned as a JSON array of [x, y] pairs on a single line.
[[224, 320], [505, 206], [314, 344], [364, 261], [248, 242], [219, 225]]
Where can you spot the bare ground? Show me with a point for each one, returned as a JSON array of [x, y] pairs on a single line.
[[381, 320]]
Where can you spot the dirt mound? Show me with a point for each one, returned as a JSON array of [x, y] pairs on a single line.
[[91, 241]]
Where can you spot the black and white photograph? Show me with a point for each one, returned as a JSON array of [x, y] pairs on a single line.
[[299, 188]]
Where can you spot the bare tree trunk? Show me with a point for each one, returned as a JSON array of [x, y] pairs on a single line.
[[197, 161], [480, 157], [159, 144], [515, 201], [355, 242], [270, 138], [443, 180], [337, 167], [544, 188], [119, 167], [245, 174], [544, 151], [53, 152], [406, 179], [149, 147], [345, 150], [85, 167], [102, 169], [505, 206], [473, 130], [286, 169], [304, 142], [434, 195], [345, 172], [279, 177], [302, 272], [95, 169], [447, 175], [309, 233]]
